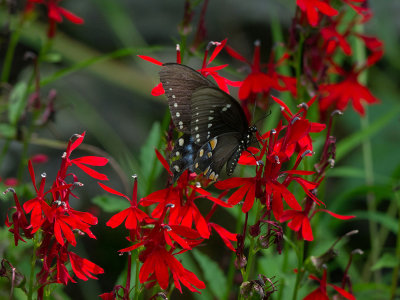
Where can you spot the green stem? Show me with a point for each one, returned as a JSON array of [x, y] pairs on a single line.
[[232, 268], [300, 272], [360, 58], [4, 151], [395, 274], [299, 68], [252, 249], [5, 74], [137, 265], [33, 263]]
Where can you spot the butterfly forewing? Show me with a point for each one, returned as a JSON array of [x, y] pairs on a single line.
[[179, 83], [214, 112]]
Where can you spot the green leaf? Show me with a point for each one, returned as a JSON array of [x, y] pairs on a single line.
[[91, 61], [110, 203], [7, 131], [17, 102], [52, 57], [148, 160], [349, 143], [352, 172], [378, 217], [387, 260], [215, 278]]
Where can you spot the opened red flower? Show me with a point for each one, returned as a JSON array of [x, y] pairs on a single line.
[[312, 7]]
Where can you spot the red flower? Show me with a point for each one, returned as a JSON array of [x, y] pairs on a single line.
[[334, 39], [257, 81], [84, 268], [37, 206], [19, 221], [300, 130], [67, 219], [321, 293], [299, 222], [132, 215], [338, 95], [55, 14], [81, 162], [312, 7], [159, 262]]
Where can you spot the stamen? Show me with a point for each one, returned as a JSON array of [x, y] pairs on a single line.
[[306, 152], [294, 120]]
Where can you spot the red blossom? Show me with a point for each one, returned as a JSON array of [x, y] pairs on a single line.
[[160, 262], [55, 14], [312, 7], [321, 292], [19, 221], [259, 82], [132, 215], [338, 95], [84, 268]]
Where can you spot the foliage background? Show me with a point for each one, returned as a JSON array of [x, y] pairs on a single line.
[[111, 100]]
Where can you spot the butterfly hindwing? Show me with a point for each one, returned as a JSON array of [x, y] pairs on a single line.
[[180, 82], [212, 156], [215, 112], [183, 155]]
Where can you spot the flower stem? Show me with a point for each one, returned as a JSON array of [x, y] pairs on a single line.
[[137, 265], [360, 57], [5, 74], [33, 264], [395, 274], [300, 272], [232, 269], [252, 249]]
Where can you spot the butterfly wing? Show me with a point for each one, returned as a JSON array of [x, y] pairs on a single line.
[[180, 82], [213, 155], [183, 155], [215, 112]]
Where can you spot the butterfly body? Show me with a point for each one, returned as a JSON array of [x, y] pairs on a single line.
[[215, 128]]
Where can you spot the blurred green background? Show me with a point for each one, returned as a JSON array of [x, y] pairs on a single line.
[[111, 101]]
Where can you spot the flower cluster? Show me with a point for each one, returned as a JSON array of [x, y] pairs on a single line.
[[55, 223], [174, 226]]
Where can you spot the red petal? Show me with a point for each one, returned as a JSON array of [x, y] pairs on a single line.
[[250, 197], [306, 231], [112, 191], [91, 160], [161, 272], [158, 90], [337, 216], [217, 50], [91, 172], [77, 142], [163, 161], [70, 16], [281, 103], [150, 59], [117, 219], [238, 195], [343, 292], [235, 54]]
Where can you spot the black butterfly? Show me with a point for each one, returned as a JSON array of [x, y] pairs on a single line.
[[215, 128]]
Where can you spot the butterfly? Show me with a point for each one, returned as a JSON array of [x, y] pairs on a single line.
[[214, 126]]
